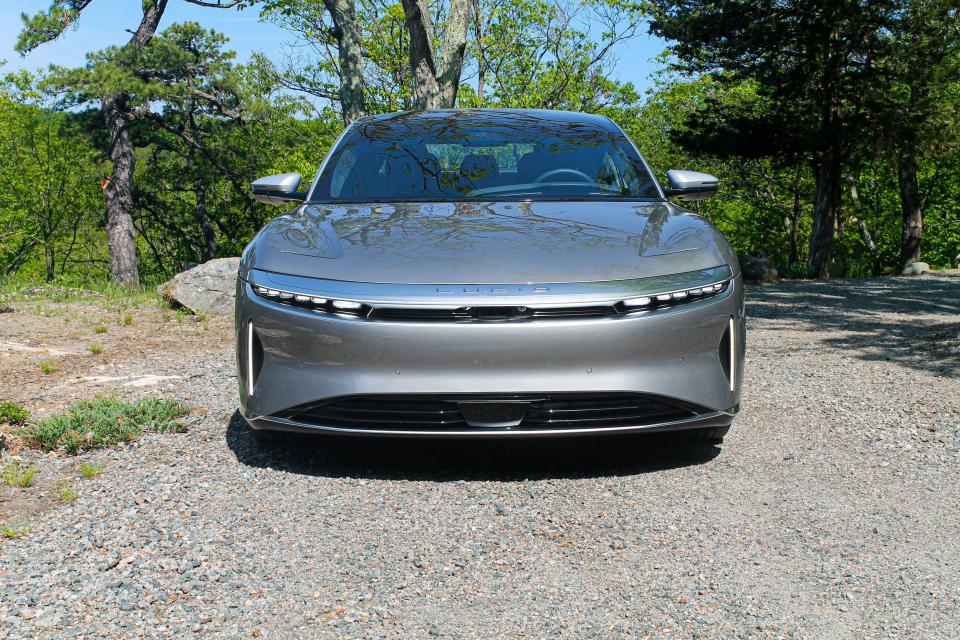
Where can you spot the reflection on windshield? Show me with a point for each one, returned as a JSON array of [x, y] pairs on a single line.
[[477, 155]]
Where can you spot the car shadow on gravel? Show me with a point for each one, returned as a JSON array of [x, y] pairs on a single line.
[[878, 319], [449, 460]]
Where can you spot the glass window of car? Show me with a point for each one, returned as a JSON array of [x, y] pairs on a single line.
[[451, 156]]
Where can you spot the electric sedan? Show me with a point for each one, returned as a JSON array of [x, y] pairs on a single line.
[[488, 274]]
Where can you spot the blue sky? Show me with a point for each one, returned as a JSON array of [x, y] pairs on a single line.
[[105, 22]]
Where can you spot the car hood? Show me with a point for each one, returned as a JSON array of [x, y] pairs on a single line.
[[498, 242]]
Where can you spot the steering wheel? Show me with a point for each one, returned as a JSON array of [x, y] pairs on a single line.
[[575, 172]]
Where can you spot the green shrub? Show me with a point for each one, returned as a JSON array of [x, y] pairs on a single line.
[[66, 491], [10, 532], [95, 348], [103, 422], [49, 366], [88, 470], [12, 413], [16, 475]]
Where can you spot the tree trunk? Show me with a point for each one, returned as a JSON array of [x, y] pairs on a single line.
[[119, 194], [426, 89], [824, 213], [910, 208], [454, 46], [347, 32], [206, 227], [119, 188], [795, 217], [435, 85]]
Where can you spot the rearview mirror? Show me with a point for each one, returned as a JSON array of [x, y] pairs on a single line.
[[278, 189], [691, 185]]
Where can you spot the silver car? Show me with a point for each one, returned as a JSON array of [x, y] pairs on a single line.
[[492, 274]]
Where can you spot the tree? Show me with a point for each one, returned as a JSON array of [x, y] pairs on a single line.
[[117, 115], [51, 176], [211, 128], [917, 113], [812, 61], [522, 53], [551, 55]]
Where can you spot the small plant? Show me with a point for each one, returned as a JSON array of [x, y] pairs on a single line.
[[49, 366], [126, 320], [95, 348], [17, 475], [12, 413], [88, 470], [66, 491], [102, 422], [11, 532], [100, 328]]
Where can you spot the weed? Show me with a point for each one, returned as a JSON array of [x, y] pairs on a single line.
[[49, 366], [17, 475], [102, 422], [100, 328], [126, 320], [66, 492], [12, 413], [88, 470], [11, 532], [95, 348]]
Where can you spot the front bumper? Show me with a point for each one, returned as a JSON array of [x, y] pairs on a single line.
[[303, 357]]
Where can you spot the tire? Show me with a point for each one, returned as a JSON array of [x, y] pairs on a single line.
[[709, 435]]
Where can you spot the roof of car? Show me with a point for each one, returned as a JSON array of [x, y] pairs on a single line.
[[493, 116]]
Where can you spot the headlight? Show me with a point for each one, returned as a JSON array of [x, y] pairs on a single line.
[[671, 298], [314, 303]]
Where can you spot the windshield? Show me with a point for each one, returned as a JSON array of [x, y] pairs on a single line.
[[455, 156]]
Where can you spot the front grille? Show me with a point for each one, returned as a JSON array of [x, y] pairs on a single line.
[[544, 411]]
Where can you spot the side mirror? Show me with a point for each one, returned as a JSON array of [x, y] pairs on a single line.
[[691, 185], [278, 189]]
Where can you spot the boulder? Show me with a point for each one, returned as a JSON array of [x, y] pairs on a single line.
[[756, 269], [206, 288], [916, 268]]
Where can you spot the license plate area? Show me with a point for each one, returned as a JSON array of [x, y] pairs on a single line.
[[493, 414]]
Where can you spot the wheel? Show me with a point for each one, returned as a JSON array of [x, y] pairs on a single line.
[[712, 435]]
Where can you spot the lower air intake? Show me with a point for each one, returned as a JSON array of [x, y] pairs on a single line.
[[532, 412]]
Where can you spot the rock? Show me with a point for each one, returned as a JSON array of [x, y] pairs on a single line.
[[758, 269], [206, 288], [916, 268]]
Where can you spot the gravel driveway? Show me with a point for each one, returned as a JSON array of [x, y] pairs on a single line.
[[831, 511]]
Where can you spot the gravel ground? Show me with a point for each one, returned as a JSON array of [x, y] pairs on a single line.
[[831, 511]]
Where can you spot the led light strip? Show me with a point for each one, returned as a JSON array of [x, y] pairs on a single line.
[[310, 302], [250, 357], [733, 356], [354, 308], [674, 297]]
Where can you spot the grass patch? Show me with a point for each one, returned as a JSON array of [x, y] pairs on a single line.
[[95, 348], [66, 492], [103, 422], [100, 328], [110, 294], [88, 470], [11, 532], [13, 413], [49, 366], [126, 320], [17, 475]]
